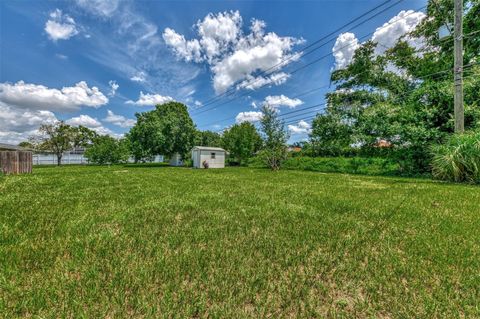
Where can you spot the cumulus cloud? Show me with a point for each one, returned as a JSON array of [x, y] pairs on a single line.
[[150, 99], [34, 96], [404, 22], [276, 101], [301, 128], [385, 36], [248, 117], [60, 26], [188, 50], [344, 49], [113, 87], [232, 55], [119, 120], [84, 120], [17, 125], [93, 124]]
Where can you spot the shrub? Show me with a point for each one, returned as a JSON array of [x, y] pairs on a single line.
[[353, 165], [458, 159], [107, 150], [188, 162]]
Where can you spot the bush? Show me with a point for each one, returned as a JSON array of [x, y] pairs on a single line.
[[107, 150], [188, 162], [458, 159], [350, 165]]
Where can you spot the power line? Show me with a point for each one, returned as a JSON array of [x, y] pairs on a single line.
[[293, 97], [310, 91], [446, 72], [318, 59], [301, 54], [323, 57]]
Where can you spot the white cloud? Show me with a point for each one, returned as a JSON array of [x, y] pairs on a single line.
[[33, 96], [385, 36], [150, 99], [232, 55], [198, 103], [276, 101], [119, 120], [344, 49], [260, 53], [17, 125], [301, 128], [84, 120], [139, 77], [188, 50], [14, 138], [218, 31], [404, 22], [248, 117], [60, 26], [253, 83], [113, 87], [93, 124]]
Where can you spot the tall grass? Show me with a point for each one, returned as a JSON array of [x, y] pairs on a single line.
[[458, 160]]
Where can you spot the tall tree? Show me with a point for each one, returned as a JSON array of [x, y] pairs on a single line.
[[208, 138], [83, 136], [107, 150], [57, 138], [166, 130], [274, 138], [242, 141]]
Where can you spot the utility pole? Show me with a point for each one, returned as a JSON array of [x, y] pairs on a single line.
[[458, 67]]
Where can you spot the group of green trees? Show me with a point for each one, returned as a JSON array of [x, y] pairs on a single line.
[[403, 97], [60, 137], [166, 130]]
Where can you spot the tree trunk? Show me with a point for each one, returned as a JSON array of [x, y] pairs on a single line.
[[59, 159]]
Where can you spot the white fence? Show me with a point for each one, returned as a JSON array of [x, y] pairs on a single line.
[[68, 158]]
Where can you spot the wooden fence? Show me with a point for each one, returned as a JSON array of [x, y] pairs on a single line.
[[15, 162]]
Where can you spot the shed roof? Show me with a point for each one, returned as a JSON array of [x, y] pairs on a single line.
[[10, 147], [208, 148]]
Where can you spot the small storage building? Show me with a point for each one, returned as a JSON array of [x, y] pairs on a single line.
[[213, 156], [15, 159]]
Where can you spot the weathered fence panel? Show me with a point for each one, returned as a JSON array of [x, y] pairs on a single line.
[[16, 162]]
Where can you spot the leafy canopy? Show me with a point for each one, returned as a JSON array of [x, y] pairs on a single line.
[[274, 138], [242, 141], [166, 130]]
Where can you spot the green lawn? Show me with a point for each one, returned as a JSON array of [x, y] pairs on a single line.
[[172, 242]]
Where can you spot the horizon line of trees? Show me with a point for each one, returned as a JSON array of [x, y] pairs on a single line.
[[167, 130]]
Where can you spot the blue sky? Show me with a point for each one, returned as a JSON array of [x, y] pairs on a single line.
[[61, 60]]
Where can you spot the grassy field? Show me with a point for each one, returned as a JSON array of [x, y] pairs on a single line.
[[172, 242]]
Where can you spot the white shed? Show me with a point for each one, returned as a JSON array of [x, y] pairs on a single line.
[[214, 156]]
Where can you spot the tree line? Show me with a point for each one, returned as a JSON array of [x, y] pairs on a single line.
[[168, 130]]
